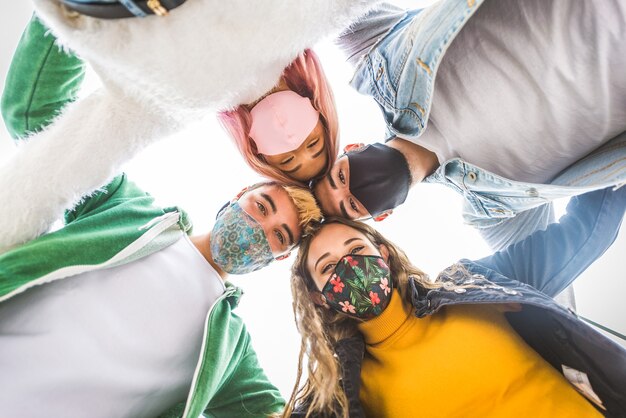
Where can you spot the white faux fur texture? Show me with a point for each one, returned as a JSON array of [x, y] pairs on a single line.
[[78, 153], [206, 53], [157, 73]]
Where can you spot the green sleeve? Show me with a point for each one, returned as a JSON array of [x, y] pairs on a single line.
[[41, 80], [248, 392], [118, 191], [123, 198]]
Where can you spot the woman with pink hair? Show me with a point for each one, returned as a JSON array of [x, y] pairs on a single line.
[[290, 133]]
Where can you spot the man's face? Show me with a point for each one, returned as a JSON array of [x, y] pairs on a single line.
[[273, 209], [333, 193]]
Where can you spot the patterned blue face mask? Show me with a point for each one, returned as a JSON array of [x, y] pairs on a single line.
[[238, 243]]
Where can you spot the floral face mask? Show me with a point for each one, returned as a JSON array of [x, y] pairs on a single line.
[[360, 286], [238, 242]]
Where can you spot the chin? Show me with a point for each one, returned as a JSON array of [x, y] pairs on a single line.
[[225, 54]]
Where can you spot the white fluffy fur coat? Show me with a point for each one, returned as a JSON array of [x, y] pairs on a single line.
[[158, 73]]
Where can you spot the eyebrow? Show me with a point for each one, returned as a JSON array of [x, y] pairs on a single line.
[[293, 170], [318, 153], [289, 233], [343, 210], [320, 259], [331, 181], [270, 201]]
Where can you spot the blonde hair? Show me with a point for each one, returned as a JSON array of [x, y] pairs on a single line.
[[306, 77], [321, 328], [308, 211]]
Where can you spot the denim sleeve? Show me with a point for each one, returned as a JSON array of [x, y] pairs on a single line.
[[515, 229], [550, 260]]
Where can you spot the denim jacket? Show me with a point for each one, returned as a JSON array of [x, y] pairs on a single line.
[[399, 73], [490, 199], [529, 273]]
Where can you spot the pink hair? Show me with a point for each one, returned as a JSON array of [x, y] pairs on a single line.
[[304, 76]]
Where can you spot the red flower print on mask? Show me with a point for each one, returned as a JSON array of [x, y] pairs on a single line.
[[337, 284], [346, 307], [374, 298], [351, 261], [381, 263]]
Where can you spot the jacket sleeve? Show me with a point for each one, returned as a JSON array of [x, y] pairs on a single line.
[[118, 192], [247, 392], [515, 229], [41, 80], [550, 260]]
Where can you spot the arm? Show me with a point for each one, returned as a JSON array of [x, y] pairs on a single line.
[[550, 260], [248, 392], [515, 229], [41, 80]]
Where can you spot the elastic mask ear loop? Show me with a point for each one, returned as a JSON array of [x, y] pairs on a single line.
[[353, 147], [383, 216], [241, 193], [283, 257], [219, 212], [233, 200]]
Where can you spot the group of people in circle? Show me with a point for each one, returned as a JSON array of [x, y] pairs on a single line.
[[503, 102]]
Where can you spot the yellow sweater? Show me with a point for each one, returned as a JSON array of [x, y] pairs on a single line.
[[463, 361]]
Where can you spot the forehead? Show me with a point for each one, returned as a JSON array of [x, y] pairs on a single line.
[[332, 237], [268, 188], [318, 129], [277, 195]]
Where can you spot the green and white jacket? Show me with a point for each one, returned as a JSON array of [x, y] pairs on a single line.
[[117, 225]]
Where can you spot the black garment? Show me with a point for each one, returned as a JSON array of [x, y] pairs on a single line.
[[379, 177]]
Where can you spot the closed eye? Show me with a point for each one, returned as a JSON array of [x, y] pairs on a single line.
[[287, 160], [314, 143]]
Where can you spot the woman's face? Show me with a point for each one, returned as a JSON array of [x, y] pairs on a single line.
[[331, 243], [307, 161]]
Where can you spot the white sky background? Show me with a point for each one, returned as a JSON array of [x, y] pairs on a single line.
[[199, 170]]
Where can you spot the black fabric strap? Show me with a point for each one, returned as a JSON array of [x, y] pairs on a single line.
[[115, 10]]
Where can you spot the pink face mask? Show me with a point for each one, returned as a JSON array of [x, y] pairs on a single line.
[[281, 122]]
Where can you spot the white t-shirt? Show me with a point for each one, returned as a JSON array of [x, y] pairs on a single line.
[[529, 87], [120, 342]]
